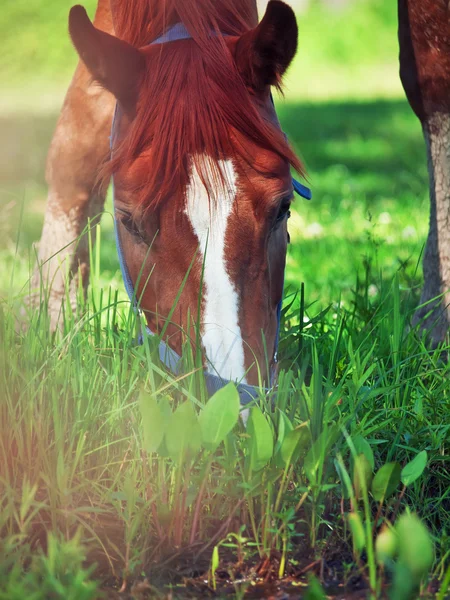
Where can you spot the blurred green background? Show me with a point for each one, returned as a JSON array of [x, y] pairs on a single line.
[[344, 110]]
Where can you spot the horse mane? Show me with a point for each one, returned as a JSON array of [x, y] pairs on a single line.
[[192, 96]]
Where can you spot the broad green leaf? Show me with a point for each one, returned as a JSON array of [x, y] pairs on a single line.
[[362, 446], [183, 438], [260, 439], [415, 547], [292, 443], [414, 469], [386, 481], [317, 454], [357, 528], [258, 485], [346, 483], [165, 406], [152, 422], [362, 475], [219, 416], [386, 545], [284, 427]]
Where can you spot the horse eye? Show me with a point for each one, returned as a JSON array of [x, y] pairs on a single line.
[[131, 226], [129, 223], [283, 211]]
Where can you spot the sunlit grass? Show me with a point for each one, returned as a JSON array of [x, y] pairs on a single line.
[[342, 53], [72, 441], [78, 475]]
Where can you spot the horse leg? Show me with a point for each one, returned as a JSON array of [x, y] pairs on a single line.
[[425, 74], [434, 313], [79, 148]]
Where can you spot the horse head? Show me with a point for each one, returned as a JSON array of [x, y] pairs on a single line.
[[201, 175]]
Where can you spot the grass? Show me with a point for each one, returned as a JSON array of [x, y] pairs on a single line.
[[94, 496], [349, 53], [76, 461], [82, 463]]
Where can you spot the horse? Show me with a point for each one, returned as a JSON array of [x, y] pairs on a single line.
[[172, 101], [424, 37]]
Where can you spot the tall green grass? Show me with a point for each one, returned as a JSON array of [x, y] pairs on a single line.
[[81, 459], [84, 475]]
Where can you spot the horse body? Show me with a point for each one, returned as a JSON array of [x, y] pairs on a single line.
[[79, 147], [200, 166], [424, 35]]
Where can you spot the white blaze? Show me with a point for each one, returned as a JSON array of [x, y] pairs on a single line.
[[220, 331]]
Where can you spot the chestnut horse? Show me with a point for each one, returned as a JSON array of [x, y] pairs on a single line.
[[424, 35], [200, 165]]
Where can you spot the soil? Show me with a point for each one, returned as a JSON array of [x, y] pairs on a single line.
[[250, 580]]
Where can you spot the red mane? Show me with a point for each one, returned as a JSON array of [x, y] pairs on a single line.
[[192, 96], [140, 21]]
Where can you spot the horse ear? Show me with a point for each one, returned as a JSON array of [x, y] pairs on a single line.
[[264, 53], [116, 65]]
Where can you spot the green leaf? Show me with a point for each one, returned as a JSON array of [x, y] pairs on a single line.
[[260, 439], [358, 533], [318, 452], [414, 469], [293, 441], [386, 481], [415, 547], [219, 416], [362, 475], [386, 545], [346, 483], [165, 406], [152, 422], [362, 446], [183, 438], [215, 562], [284, 427], [258, 485]]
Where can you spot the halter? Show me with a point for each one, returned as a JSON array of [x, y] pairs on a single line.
[[169, 358]]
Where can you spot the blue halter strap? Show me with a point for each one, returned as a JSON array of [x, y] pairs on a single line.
[[168, 356]]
